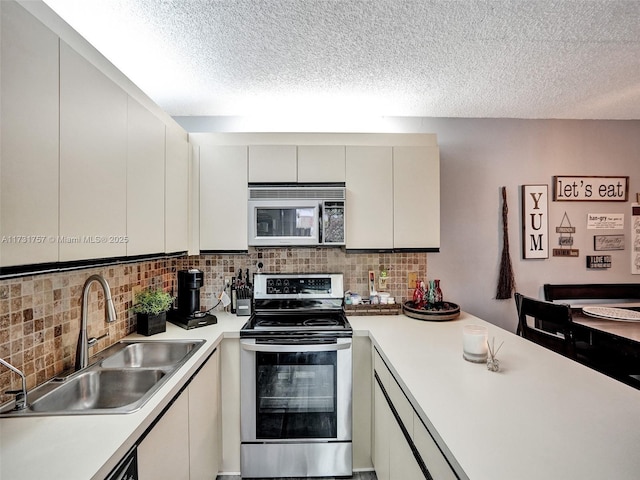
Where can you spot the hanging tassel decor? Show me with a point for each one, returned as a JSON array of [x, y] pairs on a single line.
[[506, 282]]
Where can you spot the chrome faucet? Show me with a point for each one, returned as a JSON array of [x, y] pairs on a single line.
[[21, 395], [82, 352]]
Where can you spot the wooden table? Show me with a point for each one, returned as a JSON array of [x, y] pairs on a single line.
[[610, 346], [629, 330]]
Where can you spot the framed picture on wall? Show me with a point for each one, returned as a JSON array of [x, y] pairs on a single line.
[[535, 221]]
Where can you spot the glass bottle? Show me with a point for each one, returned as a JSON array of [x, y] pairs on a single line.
[[418, 295], [438, 297], [431, 296]]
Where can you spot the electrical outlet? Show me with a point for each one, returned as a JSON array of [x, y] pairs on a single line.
[[412, 278]]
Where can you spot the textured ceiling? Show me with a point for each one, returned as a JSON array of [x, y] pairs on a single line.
[[443, 58]]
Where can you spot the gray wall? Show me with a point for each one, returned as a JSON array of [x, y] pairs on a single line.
[[478, 157]]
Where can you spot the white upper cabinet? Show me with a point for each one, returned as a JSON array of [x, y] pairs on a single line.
[[321, 163], [145, 181], [273, 163], [296, 164], [416, 188], [29, 155], [93, 161], [177, 190], [223, 197], [369, 182]]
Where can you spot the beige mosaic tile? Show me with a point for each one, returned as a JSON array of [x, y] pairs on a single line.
[[40, 314]]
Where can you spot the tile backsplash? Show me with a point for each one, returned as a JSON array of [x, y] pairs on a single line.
[[40, 314]]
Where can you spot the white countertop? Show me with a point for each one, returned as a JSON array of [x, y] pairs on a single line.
[[542, 416], [82, 447]]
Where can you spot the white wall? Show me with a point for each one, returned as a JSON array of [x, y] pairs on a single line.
[[478, 157]]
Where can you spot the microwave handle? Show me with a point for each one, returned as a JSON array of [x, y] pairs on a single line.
[[320, 223]]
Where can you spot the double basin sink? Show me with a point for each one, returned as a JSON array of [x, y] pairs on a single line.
[[120, 379]]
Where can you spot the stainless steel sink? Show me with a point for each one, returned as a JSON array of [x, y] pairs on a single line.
[[120, 379], [149, 355], [99, 389]]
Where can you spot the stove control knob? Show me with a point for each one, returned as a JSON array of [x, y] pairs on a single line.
[[286, 290]]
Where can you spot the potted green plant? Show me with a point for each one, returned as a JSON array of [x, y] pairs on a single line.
[[151, 308]]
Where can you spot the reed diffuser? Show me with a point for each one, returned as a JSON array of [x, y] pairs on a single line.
[[493, 364]]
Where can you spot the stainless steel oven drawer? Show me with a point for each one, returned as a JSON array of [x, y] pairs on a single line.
[[332, 459]]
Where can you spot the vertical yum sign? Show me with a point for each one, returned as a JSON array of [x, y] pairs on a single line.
[[535, 222]]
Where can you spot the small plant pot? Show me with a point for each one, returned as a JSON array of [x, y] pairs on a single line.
[[151, 324]]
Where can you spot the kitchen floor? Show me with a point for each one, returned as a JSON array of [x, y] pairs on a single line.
[[356, 476]]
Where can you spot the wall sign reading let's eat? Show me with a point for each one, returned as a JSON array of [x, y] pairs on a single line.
[[583, 189]]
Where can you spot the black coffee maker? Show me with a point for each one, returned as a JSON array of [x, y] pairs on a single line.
[[188, 314]]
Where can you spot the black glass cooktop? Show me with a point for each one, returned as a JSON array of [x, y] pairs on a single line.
[[291, 323]]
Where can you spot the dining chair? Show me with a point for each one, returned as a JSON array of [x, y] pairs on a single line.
[[545, 323]]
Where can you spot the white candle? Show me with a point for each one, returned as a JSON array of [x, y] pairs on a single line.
[[474, 343]]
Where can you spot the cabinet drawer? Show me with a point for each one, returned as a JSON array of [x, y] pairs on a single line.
[[397, 397], [381, 369], [430, 453], [401, 404]]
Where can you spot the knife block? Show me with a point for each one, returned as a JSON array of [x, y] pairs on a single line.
[[243, 308]]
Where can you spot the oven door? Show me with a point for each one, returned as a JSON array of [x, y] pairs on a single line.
[[296, 392]]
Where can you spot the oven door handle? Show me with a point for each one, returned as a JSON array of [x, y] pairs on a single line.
[[283, 348]]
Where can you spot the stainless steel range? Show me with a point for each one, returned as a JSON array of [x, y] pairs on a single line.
[[296, 379]]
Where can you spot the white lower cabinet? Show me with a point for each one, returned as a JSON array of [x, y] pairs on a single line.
[[401, 440], [382, 418], [204, 421], [402, 463], [164, 452], [433, 458], [185, 442]]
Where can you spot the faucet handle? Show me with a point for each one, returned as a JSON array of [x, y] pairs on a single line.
[[93, 340], [21, 398]]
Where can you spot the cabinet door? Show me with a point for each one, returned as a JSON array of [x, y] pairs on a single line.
[[416, 182], [164, 452], [93, 161], [145, 181], [230, 404], [223, 198], [204, 421], [176, 234], [434, 460], [321, 163], [382, 420], [272, 163], [362, 414], [403, 465], [369, 182], [29, 155]]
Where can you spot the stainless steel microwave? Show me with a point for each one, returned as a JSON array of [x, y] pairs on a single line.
[[296, 215]]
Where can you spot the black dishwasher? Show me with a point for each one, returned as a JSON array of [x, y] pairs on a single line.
[[127, 469]]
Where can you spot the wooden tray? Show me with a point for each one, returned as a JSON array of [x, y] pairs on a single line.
[[375, 309], [443, 312]]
